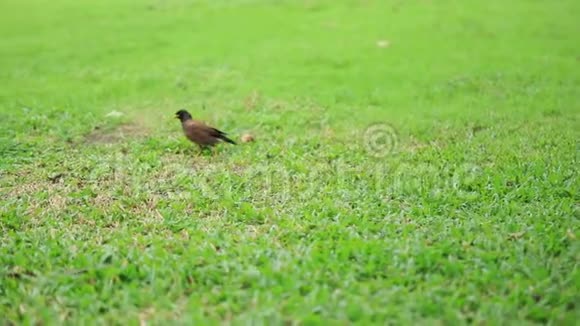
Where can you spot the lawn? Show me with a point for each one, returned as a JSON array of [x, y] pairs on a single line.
[[415, 162]]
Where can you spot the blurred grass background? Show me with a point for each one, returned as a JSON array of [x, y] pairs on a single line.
[[473, 218]]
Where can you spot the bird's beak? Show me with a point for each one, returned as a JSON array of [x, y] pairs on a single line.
[[176, 116]]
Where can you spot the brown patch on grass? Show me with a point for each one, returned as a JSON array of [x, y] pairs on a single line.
[[45, 198], [414, 145], [328, 132], [101, 135], [251, 101]]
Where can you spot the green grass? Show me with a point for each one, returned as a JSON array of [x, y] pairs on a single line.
[[471, 216]]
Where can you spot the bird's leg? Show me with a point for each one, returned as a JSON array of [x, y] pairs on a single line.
[[201, 148]]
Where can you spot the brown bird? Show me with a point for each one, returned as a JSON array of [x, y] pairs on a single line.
[[200, 133]]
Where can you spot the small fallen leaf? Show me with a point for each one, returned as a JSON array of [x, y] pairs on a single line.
[[246, 138]]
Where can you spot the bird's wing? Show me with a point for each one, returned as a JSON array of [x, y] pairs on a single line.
[[210, 130], [217, 132], [197, 130]]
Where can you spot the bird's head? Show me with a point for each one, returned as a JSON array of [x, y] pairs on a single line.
[[182, 115]]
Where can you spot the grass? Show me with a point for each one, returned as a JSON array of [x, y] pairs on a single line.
[[459, 205]]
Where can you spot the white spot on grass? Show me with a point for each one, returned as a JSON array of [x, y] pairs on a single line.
[[114, 114], [383, 43]]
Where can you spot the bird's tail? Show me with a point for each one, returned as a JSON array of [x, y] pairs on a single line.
[[227, 140]]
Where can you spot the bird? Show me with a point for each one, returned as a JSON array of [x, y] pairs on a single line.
[[200, 133]]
